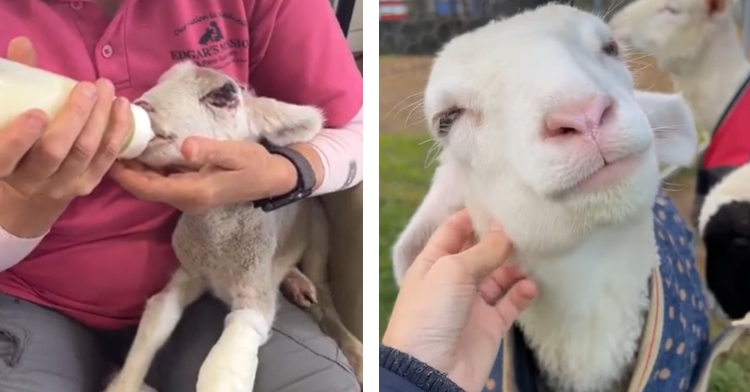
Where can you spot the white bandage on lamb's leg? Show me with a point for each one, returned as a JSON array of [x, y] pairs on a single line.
[[163, 312], [233, 361]]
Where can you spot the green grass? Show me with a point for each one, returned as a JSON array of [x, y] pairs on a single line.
[[404, 181]]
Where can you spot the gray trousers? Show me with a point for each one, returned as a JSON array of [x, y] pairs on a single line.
[[44, 351]]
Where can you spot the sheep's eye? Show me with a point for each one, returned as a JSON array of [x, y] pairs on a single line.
[[611, 49], [446, 120], [225, 96], [670, 10]]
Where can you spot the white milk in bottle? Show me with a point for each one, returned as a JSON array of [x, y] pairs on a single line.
[[23, 88]]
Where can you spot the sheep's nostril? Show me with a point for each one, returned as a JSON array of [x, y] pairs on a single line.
[[578, 117], [560, 132]]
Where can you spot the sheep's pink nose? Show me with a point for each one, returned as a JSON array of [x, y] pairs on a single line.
[[581, 117]]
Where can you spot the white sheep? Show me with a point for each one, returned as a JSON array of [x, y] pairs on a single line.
[[240, 253], [542, 132], [696, 42]]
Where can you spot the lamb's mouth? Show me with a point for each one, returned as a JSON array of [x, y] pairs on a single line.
[[610, 173], [161, 140]]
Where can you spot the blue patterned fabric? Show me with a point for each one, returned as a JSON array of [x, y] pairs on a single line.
[[676, 338]]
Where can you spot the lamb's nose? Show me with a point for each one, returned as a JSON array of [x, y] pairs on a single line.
[[580, 117]]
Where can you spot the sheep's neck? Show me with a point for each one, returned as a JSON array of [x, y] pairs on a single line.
[[586, 325], [709, 83]]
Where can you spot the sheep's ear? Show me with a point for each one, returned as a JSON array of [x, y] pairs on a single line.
[[282, 123], [444, 198], [673, 126]]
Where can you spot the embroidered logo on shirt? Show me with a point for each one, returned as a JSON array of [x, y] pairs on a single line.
[[211, 34], [220, 39]]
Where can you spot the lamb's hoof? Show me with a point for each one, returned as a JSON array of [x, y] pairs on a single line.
[[299, 290]]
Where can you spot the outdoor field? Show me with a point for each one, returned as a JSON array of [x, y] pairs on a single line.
[[404, 178]]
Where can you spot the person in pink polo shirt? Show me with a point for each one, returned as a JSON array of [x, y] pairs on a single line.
[[85, 240]]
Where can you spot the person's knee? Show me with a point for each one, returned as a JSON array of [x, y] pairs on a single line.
[[299, 357], [43, 351], [305, 375]]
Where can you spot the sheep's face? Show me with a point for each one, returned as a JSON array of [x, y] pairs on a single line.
[[673, 31], [540, 112], [191, 101]]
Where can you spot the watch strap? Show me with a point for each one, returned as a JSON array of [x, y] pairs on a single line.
[[305, 179]]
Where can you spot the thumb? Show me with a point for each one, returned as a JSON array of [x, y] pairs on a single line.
[[21, 50], [487, 255], [199, 152]]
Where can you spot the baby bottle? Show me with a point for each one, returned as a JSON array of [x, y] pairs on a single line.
[[23, 88]]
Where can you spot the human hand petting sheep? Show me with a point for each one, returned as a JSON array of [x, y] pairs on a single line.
[[457, 301], [227, 172]]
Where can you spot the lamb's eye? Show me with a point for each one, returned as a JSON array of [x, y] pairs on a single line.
[[225, 96], [611, 49], [670, 10], [446, 120]]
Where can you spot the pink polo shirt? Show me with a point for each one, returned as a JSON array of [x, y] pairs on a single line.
[[110, 252]]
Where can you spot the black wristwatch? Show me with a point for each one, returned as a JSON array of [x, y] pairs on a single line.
[[305, 179]]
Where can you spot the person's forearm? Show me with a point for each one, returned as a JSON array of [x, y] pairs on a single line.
[[27, 218], [23, 224], [337, 153], [14, 249]]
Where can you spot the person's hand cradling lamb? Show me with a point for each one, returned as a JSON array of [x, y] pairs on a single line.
[[456, 303]]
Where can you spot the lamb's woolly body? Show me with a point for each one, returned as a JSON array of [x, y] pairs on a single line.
[[701, 51], [586, 325], [238, 252], [590, 252]]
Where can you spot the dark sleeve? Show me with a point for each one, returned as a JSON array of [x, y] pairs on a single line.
[[400, 372]]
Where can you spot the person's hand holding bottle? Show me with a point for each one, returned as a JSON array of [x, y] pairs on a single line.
[[457, 301], [45, 163]]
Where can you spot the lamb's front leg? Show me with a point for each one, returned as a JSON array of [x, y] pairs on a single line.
[[232, 363], [160, 318]]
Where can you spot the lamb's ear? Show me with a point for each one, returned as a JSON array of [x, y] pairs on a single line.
[[442, 199], [673, 126], [282, 123]]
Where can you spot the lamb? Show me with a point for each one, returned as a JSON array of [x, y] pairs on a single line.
[[564, 158], [696, 42], [239, 253]]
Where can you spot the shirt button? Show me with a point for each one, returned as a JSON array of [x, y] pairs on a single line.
[[76, 5], [107, 51]]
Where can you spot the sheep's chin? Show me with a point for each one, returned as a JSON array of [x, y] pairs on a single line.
[[164, 158]]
